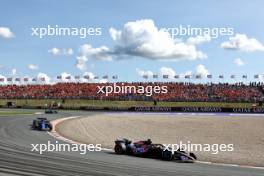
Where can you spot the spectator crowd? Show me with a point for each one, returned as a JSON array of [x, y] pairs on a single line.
[[221, 92]]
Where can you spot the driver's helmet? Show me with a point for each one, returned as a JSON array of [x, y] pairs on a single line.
[[148, 142]]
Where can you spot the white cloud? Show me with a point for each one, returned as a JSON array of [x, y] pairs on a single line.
[[64, 51], [14, 71], [32, 67], [142, 38], [167, 71], [101, 53], [144, 73], [6, 32], [201, 70], [81, 63], [103, 81], [87, 51], [198, 40], [54, 51], [261, 77], [68, 51], [239, 62], [243, 43]]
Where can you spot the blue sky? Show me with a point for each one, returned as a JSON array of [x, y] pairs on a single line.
[[17, 52]]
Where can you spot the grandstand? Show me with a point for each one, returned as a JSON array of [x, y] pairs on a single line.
[[183, 92]]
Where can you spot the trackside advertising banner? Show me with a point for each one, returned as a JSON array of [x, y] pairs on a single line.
[[181, 109], [198, 109]]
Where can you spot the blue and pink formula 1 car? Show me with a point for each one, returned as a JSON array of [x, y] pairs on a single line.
[[149, 150], [41, 124]]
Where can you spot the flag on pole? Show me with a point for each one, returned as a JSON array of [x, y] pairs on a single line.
[[221, 76], [115, 77], [155, 76], [145, 76], [86, 77], [165, 76], [198, 76], [105, 77], [187, 76], [176, 76], [210, 76]]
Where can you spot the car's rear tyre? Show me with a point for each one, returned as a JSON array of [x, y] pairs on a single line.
[[34, 124], [167, 155], [50, 127], [120, 148]]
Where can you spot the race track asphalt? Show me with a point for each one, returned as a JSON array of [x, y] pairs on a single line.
[[16, 157]]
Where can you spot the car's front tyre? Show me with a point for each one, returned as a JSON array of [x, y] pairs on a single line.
[[120, 148]]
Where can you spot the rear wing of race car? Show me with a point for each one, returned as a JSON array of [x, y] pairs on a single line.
[[41, 118], [124, 140]]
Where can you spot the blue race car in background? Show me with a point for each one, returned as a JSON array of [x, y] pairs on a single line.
[[51, 111], [41, 124]]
